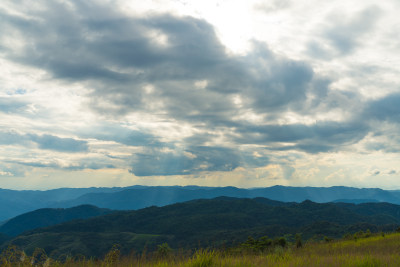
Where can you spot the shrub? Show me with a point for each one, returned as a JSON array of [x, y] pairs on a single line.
[[280, 241], [113, 255], [39, 257], [164, 250], [203, 258], [12, 255]]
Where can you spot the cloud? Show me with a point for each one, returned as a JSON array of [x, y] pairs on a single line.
[[12, 137], [46, 141], [2, 173], [191, 160], [343, 34], [375, 172], [83, 164], [115, 132], [272, 6], [386, 108], [12, 105], [383, 116], [59, 144], [11, 170], [319, 137]]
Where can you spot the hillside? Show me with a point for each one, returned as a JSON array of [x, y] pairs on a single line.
[[204, 223], [46, 217]]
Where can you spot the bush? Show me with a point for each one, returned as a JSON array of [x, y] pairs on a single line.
[[203, 258], [280, 241], [12, 255], [164, 251], [39, 257], [113, 255], [367, 233]]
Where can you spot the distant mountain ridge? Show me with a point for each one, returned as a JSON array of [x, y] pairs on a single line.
[[13, 202]]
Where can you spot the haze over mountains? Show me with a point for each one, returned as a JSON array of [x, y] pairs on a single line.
[[13, 202]]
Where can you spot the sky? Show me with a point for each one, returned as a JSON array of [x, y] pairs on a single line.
[[212, 93]]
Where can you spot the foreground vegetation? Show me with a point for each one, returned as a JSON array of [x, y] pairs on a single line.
[[361, 249]]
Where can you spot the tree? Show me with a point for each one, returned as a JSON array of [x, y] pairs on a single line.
[[164, 250]]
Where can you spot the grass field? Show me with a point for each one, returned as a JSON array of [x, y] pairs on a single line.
[[376, 250]]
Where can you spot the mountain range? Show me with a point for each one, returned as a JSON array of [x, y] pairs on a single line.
[[14, 202]]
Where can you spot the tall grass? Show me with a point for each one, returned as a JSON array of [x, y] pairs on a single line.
[[364, 252]]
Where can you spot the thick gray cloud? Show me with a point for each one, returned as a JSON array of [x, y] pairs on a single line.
[[344, 33], [319, 137], [117, 133], [191, 160], [383, 114], [46, 141], [59, 144], [384, 109], [11, 137]]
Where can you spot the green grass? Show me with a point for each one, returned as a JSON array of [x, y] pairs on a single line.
[[376, 250]]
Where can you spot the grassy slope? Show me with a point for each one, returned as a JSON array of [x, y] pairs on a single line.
[[372, 251]]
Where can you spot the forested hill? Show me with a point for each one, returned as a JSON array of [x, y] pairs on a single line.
[[214, 222], [47, 217]]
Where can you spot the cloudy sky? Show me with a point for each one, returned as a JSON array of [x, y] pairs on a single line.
[[217, 93]]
